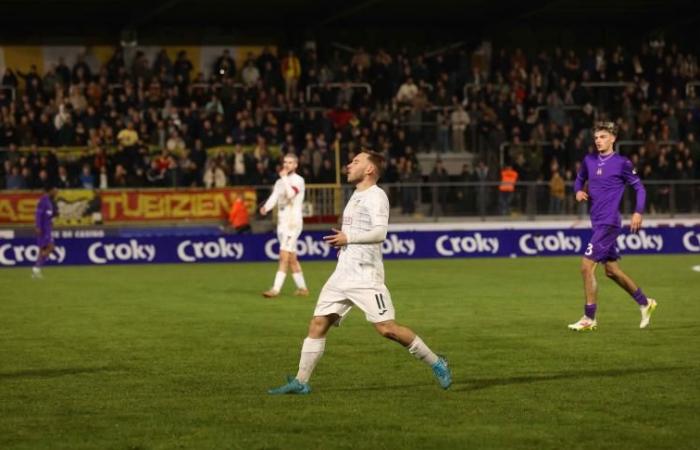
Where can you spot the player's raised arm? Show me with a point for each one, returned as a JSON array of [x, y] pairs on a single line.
[[629, 174], [291, 189]]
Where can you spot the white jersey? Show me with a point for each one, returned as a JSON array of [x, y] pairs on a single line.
[[288, 196], [363, 262]]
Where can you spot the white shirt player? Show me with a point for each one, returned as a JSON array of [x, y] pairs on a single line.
[[366, 214], [288, 196]]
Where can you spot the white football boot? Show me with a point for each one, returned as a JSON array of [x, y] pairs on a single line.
[[585, 323]]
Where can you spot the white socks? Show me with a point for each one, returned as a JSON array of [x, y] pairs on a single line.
[[299, 279], [311, 352], [422, 352], [279, 281]]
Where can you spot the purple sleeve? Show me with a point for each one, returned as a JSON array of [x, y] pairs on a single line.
[[40, 211], [629, 174], [581, 177]]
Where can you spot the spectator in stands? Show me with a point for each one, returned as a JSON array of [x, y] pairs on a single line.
[[242, 164], [15, 180], [506, 189], [183, 67], [225, 66], [250, 74], [556, 190], [128, 137], [459, 120], [407, 92], [409, 194], [63, 181], [214, 175], [439, 175], [155, 175], [87, 179], [9, 78], [291, 71]]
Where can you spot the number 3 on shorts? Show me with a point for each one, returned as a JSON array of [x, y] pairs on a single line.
[[589, 250]]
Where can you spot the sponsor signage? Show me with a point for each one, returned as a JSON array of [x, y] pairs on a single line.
[[119, 205], [91, 248]]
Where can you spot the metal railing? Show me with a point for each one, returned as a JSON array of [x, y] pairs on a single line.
[[539, 109], [631, 143], [530, 200], [604, 84], [483, 200], [365, 86], [502, 148]]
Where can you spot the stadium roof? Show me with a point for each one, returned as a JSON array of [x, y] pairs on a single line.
[[30, 18]]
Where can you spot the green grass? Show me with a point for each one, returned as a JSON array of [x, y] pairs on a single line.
[[180, 356]]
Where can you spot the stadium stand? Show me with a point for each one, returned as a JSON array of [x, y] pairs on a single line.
[[141, 123]]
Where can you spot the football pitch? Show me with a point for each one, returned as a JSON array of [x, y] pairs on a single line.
[[181, 356]]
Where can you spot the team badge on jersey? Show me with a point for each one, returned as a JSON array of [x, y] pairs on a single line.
[[599, 171]]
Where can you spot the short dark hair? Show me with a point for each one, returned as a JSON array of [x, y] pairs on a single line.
[[376, 158], [610, 127]]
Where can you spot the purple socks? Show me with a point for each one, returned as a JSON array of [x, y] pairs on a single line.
[[41, 259], [640, 298], [589, 311]]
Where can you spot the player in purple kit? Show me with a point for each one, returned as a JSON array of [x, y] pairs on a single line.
[[607, 174], [45, 212]]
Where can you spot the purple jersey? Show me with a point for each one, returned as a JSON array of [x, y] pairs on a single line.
[[44, 215], [607, 177]]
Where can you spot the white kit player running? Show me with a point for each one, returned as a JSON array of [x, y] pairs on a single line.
[[359, 279], [288, 196]]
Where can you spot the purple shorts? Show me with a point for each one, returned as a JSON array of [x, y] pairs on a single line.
[[602, 247], [43, 240]]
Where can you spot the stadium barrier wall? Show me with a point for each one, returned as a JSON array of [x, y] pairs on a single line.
[[91, 248]]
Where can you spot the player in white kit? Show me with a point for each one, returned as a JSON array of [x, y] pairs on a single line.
[[288, 196], [358, 279]]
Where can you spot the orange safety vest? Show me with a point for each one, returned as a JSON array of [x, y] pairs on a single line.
[[508, 179], [238, 216]]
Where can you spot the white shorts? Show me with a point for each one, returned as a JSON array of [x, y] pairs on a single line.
[[288, 238], [374, 301]]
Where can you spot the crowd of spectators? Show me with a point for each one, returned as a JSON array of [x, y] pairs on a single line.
[[136, 122]]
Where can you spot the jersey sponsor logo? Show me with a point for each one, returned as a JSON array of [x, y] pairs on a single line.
[[447, 245], [306, 246], [101, 253], [11, 255], [533, 244], [191, 251], [691, 241], [393, 245], [640, 241]]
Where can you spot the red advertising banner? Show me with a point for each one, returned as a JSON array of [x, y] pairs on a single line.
[[172, 204], [127, 205], [18, 207]]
